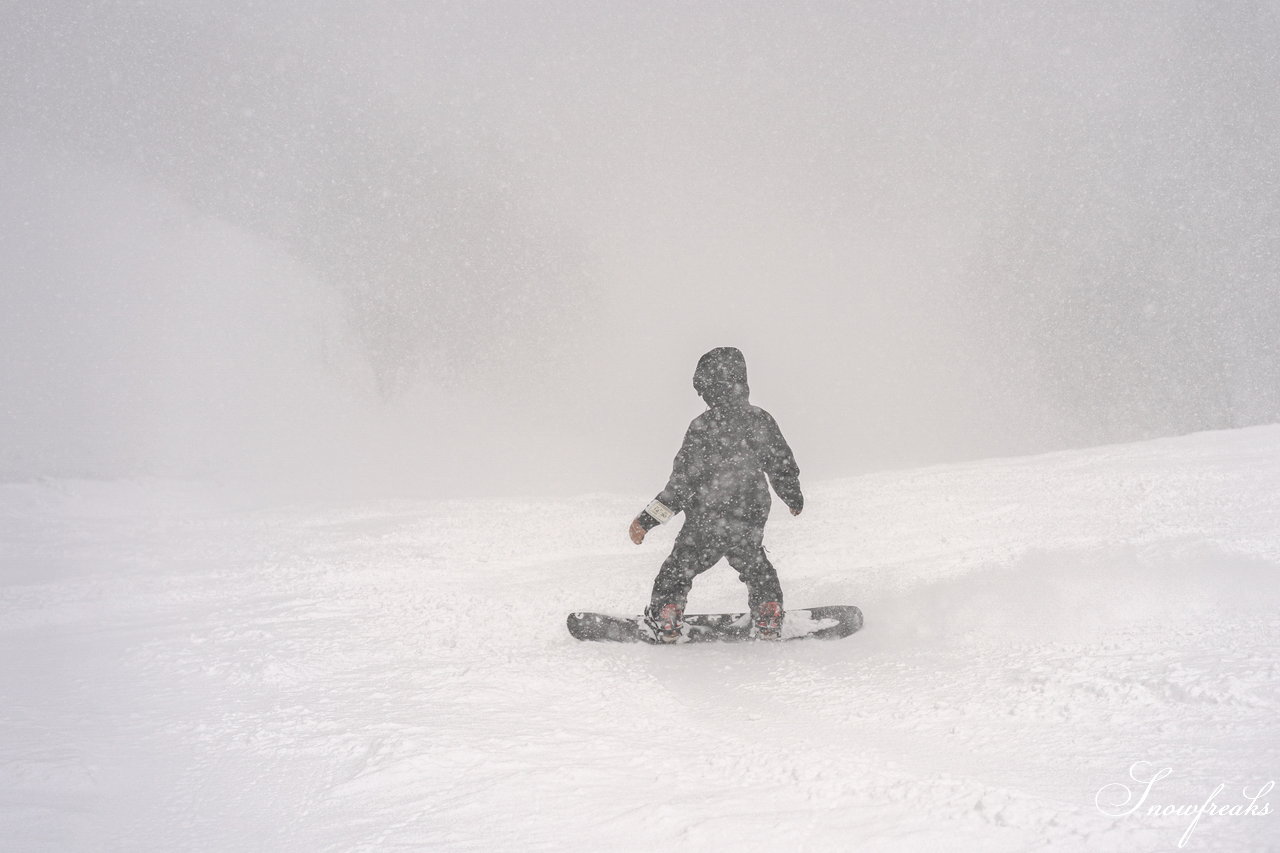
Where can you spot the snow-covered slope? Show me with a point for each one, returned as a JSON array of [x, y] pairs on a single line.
[[180, 672]]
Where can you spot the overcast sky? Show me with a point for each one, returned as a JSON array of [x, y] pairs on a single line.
[[478, 247]]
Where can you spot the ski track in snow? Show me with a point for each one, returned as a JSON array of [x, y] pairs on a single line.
[[181, 672]]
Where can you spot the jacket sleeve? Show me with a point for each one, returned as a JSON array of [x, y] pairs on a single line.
[[779, 463], [678, 493]]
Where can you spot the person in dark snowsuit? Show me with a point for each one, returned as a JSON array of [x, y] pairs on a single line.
[[718, 481]]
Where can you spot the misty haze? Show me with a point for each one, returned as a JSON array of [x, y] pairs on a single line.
[[478, 247], [341, 342]]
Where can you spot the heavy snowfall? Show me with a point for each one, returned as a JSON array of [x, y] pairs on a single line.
[[340, 346]]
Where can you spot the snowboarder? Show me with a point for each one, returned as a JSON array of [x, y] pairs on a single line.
[[718, 481]]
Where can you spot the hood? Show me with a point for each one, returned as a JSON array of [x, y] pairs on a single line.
[[721, 377]]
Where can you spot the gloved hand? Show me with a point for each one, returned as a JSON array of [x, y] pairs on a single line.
[[637, 531]]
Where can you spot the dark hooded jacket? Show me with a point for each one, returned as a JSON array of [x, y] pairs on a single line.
[[728, 449]]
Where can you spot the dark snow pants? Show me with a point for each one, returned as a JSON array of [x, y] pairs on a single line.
[[701, 543]]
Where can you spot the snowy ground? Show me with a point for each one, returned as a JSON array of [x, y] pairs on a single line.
[[180, 672]]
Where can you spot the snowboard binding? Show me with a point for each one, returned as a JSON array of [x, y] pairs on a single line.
[[666, 623], [767, 621]]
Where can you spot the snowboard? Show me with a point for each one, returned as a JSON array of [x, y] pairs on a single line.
[[816, 623]]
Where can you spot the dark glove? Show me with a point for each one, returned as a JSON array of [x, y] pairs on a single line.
[[650, 517]]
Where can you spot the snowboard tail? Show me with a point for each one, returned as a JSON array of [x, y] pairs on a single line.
[[817, 623]]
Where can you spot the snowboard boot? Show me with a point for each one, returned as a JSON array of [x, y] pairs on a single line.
[[666, 622], [767, 619]]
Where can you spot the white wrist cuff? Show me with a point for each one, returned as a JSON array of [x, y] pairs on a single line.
[[659, 511]]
